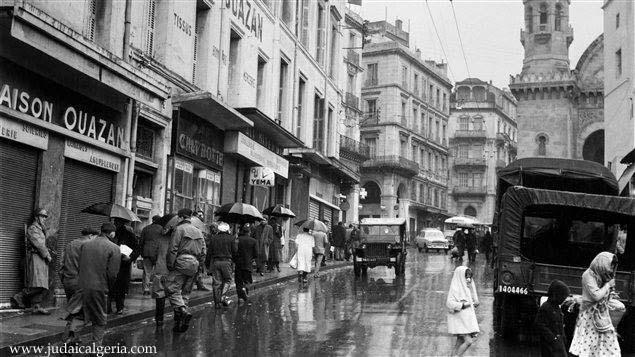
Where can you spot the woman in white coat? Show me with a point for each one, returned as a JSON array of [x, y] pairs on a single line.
[[462, 301], [305, 243]]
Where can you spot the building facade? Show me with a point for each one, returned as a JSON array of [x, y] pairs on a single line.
[[483, 138], [405, 126], [619, 89], [560, 111], [165, 104]]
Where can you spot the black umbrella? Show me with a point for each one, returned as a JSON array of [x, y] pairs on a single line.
[[313, 224], [112, 210], [278, 211], [238, 213]]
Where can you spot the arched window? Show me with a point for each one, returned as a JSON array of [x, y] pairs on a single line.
[[542, 145], [543, 14], [463, 94], [479, 94], [529, 19], [470, 211], [558, 22], [373, 193]]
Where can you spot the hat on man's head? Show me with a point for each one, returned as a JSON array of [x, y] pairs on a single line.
[[156, 218], [223, 227], [87, 231], [108, 227], [185, 212], [41, 212]]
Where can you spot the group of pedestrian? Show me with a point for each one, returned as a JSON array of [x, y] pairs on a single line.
[[594, 333]]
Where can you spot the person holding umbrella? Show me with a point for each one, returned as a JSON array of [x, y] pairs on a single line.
[[123, 236], [263, 233], [275, 248]]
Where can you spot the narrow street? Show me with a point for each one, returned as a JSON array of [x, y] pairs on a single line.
[[335, 315]]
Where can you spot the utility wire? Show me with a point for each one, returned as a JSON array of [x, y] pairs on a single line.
[[456, 22], [440, 42]]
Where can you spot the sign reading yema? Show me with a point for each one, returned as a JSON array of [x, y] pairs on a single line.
[[262, 176]]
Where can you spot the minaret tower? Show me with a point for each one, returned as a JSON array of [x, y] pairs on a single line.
[[546, 36]]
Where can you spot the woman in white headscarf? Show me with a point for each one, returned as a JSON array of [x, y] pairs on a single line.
[[591, 338], [461, 303]]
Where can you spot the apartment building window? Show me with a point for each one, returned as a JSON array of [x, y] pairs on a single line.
[[415, 151], [423, 88], [617, 20], [329, 125], [334, 48], [443, 168], [287, 12], [318, 123], [423, 123], [150, 26], [413, 190], [436, 131], [429, 198], [462, 177], [477, 179], [558, 21], [444, 134], [371, 74], [436, 164], [529, 19], [304, 21], [437, 99], [463, 151], [234, 53], [320, 41], [260, 83], [403, 148], [422, 195], [445, 98], [91, 19], [415, 89], [282, 91], [371, 108], [429, 161], [429, 126], [414, 119], [145, 141], [436, 197], [543, 14], [372, 146], [618, 62], [478, 123], [301, 105], [404, 77], [422, 156]]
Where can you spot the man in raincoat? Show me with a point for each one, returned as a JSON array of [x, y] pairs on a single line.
[[263, 234], [38, 258], [187, 252]]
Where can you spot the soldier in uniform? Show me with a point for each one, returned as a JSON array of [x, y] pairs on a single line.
[[187, 252], [160, 275], [38, 258], [222, 250]]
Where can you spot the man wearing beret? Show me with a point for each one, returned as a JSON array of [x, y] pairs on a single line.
[[38, 259], [99, 262], [187, 252]]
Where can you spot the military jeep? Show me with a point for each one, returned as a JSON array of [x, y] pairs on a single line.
[[382, 243]]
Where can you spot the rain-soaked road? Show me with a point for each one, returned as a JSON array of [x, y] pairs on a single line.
[[335, 314]]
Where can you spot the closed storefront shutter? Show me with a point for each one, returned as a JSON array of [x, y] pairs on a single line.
[[84, 185], [17, 179], [314, 209]]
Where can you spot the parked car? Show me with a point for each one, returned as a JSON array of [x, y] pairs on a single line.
[[431, 238]]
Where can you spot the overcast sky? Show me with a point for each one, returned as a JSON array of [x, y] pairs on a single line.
[[490, 30]]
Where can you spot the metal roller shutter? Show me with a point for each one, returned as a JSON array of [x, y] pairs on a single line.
[[17, 178], [314, 209], [83, 186]]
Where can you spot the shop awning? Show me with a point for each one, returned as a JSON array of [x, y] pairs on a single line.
[[206, 106], [309, 154], [271, 128]]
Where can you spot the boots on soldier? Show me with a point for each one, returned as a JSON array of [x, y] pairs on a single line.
[[185, 322], [160, 311], [178, 319]]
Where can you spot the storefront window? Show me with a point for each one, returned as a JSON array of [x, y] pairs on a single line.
[[183, 179], [142, 184], [145, 141], [208, 193]]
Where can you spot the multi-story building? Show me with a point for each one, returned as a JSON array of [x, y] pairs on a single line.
[[407, 107], [619, 89], [483, 139], [164, 104], [559, 110]]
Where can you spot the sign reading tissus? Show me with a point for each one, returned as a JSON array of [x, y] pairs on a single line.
[[86, 153]]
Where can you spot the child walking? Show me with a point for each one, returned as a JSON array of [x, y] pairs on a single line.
[[462, 301], [549, 323]]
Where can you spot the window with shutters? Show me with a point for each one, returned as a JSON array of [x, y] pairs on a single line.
[[320, 41], [234, 74], [145, 141], [558, 21], [464, 123], [478, 123], [304, 22], [287, 12], [463, 151], [543, 16], [282, 91], [260, 83], [318, 123], [183, 186], [91, 19], [301, 105], [372, 146], [150, 27], [334, 48], [415, 84], [142, 183], [422, 195], [371, 74], [415, 151], [462, 179]]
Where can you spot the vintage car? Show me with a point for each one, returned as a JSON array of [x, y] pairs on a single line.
[[382, 243], [432, 238]]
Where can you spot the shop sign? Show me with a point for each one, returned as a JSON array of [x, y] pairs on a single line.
[[247, 13], [28, 93], [199, 141], [85, 153], [183, 166], [239, 143], [24, 133], [262, 176]]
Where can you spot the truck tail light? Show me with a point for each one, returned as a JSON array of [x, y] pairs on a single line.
[[516, 259]]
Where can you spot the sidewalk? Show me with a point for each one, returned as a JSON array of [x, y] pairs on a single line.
[[27, 329]]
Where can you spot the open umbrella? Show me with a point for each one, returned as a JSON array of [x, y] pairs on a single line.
[[312, 224], [112, 210], [463, 221], [196, 222], [238, 213], [278, 211]]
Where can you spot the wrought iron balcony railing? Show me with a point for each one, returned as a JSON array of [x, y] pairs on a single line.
[[354, 147], [393, 162], [352, 100]]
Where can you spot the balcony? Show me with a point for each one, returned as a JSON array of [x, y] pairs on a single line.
[[371, 82], [469, 191], [470, 134], [502, 138], [353, 149], [353, 58], [370, 118], [513, 147], [352, 101], [394, 163], [464, 161]]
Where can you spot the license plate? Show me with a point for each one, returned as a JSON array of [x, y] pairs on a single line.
[[393, 259], [513, 290], [370, 259]]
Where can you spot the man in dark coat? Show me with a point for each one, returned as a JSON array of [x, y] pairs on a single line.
[[149, 244], [263, 234], [247, 252], [222, 249], [187, 252], [69, 276], [487, 245], [275, 248], [123, 236], [38, 258], [459, 242], [549, 323], [160, 275], [99, 263], [471, 243], [339, 240]]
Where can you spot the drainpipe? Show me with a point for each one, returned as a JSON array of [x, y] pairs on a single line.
[[133, 117], [126, 31]]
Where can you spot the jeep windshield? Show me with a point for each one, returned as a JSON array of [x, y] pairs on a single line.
[[381, 234]]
